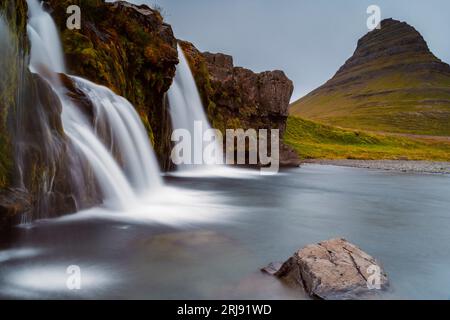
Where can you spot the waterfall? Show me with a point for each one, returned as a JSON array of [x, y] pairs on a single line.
[[125, 166], [46, 49], [187, 111], [129, 134]]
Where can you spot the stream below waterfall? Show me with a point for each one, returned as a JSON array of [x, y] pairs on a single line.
[[220, 230]]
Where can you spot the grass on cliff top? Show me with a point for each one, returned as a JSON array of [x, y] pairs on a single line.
[[312, 140]]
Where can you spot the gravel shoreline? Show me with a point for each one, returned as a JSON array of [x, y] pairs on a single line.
[[390, 165]]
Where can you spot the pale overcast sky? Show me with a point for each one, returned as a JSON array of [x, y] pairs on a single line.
[[308, 39]]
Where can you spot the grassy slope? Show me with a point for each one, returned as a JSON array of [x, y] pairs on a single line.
[[317, 141], [401, 109]]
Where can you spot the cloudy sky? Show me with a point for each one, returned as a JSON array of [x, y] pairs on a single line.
[[308, 39]]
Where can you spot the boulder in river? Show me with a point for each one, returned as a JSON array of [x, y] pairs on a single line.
[[332, 270]]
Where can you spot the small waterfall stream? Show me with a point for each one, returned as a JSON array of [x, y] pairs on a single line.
[[187, 111], [137, 171]]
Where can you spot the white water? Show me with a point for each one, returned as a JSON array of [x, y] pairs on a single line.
[[120, 181], [186, 109], [128, 132], [46, 49]]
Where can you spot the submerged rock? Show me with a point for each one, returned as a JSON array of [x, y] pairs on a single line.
[[333, 269]]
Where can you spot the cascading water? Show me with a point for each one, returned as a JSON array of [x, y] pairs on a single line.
[[187, 111], [128, 132], [46, 49], [136, 172]]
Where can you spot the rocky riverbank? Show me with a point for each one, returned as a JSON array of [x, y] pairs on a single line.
[[390, 165]]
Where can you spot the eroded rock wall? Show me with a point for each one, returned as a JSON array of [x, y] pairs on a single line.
[[236, 97]]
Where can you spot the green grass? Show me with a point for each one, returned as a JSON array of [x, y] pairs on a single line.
[[313, 140]]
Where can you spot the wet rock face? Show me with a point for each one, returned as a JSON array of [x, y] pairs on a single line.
[[236, 97], [333, 269]]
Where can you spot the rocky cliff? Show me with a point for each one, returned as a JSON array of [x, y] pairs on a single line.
[[239, 98], [391, 83]]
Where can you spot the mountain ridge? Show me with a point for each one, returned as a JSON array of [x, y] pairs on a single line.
[[392, 83]]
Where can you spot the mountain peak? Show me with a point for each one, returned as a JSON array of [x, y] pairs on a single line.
[[395, 41], [393, 33], [392, 82]]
